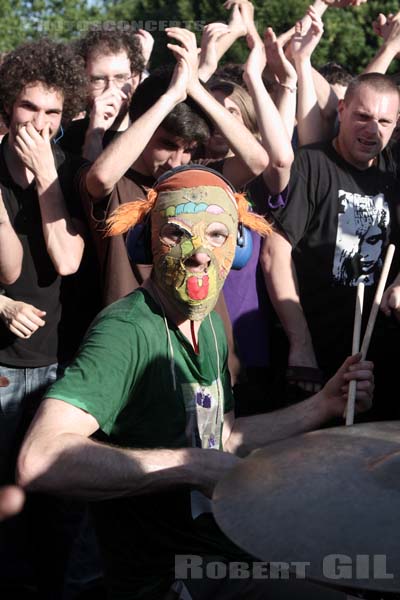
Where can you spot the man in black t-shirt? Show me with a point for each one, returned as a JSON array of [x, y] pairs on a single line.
[[341, 214], [41, 84]]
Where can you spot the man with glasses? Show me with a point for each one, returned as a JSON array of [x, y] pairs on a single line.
[[114, 63]]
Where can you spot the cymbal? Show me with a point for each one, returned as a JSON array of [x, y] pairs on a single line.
[[329, 499]]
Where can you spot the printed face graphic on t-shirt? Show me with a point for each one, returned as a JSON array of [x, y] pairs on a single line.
[[361, 237]]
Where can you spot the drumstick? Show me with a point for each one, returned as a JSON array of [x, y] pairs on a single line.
[[351, 395], [370, 326], [377, 300]]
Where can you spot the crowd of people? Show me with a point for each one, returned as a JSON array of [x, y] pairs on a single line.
[[180, 250]]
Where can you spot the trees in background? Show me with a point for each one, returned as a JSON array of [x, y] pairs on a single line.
[[348, 37]]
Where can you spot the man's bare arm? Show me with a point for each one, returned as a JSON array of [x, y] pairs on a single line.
[[309, 117], [11, 252], [103, 113], [275, 139], [58, 456], [390, 48], [116, 159], [250, 159], [248, 433], [217, 38], [281, 280], [283, 80], [62, 234]]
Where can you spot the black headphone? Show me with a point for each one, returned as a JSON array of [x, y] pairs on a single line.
[[138, 239]]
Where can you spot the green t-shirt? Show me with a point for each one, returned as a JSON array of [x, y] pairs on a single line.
[[124, 376]]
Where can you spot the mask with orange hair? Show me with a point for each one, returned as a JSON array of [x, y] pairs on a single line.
[[194, 223], [194, 232]]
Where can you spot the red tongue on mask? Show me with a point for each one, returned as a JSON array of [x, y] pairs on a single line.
[[196, 291]]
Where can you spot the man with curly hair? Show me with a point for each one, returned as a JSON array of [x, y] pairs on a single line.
[[41, 84], [41, 87], [114, 63]]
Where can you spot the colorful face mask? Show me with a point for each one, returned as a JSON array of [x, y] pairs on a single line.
[[193, 241]]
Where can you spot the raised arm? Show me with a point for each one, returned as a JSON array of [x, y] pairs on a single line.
[[327, 101], [11, 252], [103, 113], [217, 38], [309, 118], [326, 97], [147, 44], [319, 6], [389, 28], [249, 159], [275, 139], [63, 239], [213, 33], [344, 3], [116, 159], [284, 85]]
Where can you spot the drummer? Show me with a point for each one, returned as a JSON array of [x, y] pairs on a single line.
[[142, 420]]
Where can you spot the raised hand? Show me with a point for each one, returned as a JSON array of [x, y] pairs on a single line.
[[278, 64], [344, 3], [246, 10], [147, 42], [304, 44], [187, 52], [256, 60], [209, 55], [390, 31], [106, 108], [236, 23], [34, 149]]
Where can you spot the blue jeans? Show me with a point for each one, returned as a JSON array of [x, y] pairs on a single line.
[[51, 544], [19, 400]]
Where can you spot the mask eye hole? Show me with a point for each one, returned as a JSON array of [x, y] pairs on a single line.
[[217, 234], [172, 234]]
